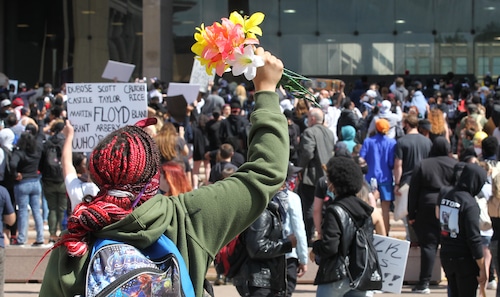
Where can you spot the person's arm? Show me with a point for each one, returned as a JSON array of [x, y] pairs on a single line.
[[397, 171], [9, 215], [221, 211], [329, 244], [258, 243], [307, 148], [298, 228], [378, 222], [318, 214], [67, 150], [371, 127]]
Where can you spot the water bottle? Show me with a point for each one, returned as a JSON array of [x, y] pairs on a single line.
[[373, 184]]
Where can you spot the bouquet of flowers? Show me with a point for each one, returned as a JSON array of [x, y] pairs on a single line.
[[229, 46]]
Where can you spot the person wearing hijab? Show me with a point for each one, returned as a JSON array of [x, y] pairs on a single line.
[[461, 248], [429, 177]]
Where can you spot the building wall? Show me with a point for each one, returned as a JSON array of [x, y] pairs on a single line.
[[321, 38]]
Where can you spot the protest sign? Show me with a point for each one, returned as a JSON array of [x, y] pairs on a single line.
[[97, 109], [14, 82], [392, 256], [199, 76], [118, 71], [189, 91]]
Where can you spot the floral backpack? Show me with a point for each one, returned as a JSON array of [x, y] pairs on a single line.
[[120, 269]]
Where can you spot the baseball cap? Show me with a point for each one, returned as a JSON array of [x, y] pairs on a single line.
[[382, 126], [5, 102]]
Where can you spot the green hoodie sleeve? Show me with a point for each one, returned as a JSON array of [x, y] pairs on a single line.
[[221, 211]]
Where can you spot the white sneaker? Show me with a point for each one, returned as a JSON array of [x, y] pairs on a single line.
[[492, 285]]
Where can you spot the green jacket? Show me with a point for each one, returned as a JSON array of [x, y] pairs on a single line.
[[199, 222]]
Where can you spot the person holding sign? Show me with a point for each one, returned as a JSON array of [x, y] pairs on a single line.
[[125, 164]]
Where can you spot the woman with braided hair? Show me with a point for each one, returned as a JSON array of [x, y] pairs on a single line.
[[124, 165]]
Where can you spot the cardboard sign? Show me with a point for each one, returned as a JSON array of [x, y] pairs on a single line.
[[97, 109], [199, 76], [14, 82], [118, 71], [392, 256], [189, 91]]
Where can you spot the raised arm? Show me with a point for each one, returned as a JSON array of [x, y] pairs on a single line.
[[67, 151]]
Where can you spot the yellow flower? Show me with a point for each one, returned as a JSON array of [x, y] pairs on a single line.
[[250, 24]]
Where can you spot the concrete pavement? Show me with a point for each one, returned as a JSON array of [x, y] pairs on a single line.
[[302, 290]]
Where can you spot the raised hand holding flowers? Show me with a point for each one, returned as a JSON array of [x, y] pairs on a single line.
[[231, 44]]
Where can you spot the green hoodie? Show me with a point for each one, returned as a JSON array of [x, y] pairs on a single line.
[[199, 222]]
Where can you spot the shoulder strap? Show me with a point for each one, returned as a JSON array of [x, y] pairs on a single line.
[[156, 251]]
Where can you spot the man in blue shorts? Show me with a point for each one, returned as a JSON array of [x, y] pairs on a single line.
[[378, 151]]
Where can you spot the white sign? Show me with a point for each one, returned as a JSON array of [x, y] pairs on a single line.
[[118, 71], [189, 91], [14, 82], [199, 76], [392, 256], [97, 109]]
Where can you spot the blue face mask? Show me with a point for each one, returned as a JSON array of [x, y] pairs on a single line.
[[330, 194]]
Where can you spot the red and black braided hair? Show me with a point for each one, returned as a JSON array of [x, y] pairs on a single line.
[[124, 165]]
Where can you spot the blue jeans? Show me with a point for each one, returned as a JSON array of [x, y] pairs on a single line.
[[29, 191]]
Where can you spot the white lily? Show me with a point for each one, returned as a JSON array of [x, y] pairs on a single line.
[[246, 63]]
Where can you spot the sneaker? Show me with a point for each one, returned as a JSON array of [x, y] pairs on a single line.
[[421, 289], [18, 244], [13, 240], [37, 243], [492, 285]]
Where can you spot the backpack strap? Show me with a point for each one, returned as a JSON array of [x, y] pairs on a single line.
[[156, 251]]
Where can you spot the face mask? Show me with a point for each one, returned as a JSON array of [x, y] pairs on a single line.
[[330, 195]]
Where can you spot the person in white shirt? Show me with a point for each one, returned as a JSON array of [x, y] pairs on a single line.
[[294, 225], [76, 179]]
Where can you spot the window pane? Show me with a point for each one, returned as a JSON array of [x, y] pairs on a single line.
[[461, 65], [424, 66], [446, 65]]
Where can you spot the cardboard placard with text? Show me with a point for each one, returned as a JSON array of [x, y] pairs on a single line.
[[199, 76], [392, 256], [97, 109]]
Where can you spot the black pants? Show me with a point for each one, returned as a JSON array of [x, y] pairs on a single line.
[[307, 197], [262, 292], [462, 276], [291, 275], [428, 232]]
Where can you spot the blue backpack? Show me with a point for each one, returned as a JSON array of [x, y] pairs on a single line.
[[120, 269]]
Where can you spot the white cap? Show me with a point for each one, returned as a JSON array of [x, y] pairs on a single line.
[[5, 102], [371, 93]]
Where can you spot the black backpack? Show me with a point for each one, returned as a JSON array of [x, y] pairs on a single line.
[[50, 163], [361, 261]]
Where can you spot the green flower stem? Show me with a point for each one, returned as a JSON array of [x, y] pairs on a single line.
[[291, 82]]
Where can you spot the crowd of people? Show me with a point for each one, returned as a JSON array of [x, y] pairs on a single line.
[[430, 148]]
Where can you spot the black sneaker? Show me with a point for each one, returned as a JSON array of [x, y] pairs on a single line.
[[38, 243], [421, 288]]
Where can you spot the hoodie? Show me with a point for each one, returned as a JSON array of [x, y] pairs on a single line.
[[348, 135], [459, 213], [198, 222], [330, 245]]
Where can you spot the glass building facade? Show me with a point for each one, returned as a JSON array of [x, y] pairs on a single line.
[[64, 40]]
